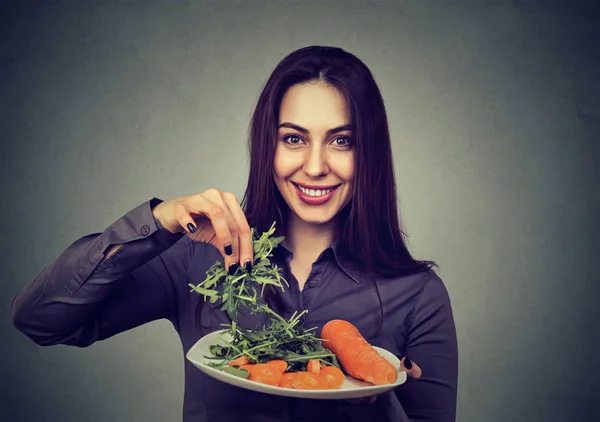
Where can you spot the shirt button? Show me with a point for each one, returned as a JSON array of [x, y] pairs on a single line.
[[312, 283], [145, 230]]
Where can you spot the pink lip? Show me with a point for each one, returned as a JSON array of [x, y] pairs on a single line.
[[314, 200]]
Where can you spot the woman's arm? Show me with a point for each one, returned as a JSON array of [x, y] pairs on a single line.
[[104, 283], [432, 343]]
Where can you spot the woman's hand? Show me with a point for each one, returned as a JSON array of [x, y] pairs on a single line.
[[413, 372], [213, 217]]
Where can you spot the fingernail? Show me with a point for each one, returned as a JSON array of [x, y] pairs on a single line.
[[228, 250], [233, 268], [191, 227], [407, 363], [248, 266]]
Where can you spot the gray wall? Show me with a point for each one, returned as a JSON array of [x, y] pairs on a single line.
[[494, 113]]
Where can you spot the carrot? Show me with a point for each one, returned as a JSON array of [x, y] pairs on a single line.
[[263, 373], [286, 380], [308, 381], [333, 376], [241, 361], [314, 366], [248, 366], [280, 365], [356, 355]]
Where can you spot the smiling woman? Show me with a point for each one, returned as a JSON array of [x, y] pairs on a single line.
[[314, 164], [321, 171]]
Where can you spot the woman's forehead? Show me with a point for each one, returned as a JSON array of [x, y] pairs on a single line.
[[314, 106]]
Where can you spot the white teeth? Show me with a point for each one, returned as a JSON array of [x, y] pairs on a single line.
[[312, 192]]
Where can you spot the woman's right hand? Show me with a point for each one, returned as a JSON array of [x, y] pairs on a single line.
[[213, 217]]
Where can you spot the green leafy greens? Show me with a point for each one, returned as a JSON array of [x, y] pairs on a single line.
[[282, 339]]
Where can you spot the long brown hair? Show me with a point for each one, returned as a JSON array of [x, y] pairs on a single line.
[[370, 233]]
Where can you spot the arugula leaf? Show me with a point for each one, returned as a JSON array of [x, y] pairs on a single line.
[[239, 293], [242, 373]]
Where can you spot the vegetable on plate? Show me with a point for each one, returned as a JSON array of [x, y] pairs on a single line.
[[283, 353]]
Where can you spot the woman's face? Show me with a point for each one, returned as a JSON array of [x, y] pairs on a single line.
[[314, 157]]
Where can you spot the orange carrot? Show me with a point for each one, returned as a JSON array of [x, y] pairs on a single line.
[[280, 365], [286, 380], [356, 355], [333, 376], [248, 366], [241, 361], [308, 381], [263, 373], [314, 366]]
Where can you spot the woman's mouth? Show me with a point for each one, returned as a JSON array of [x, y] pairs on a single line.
[[315, 195]]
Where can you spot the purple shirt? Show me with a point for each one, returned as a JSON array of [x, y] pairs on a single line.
[[80, 299]]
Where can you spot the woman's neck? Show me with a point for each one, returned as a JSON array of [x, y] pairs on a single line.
[[308, 240]]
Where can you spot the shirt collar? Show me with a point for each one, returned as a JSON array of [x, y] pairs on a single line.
[[344, 264]]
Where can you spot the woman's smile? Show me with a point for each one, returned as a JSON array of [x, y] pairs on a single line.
[[313, 194]]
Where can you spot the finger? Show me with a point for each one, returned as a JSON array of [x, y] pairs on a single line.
[[233, 260], [411, 368], [184, 218], [245, 237], [200, 204]]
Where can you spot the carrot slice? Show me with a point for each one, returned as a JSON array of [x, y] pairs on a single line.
[[314, 366], [308, 381], [263, 373], [356, 355], [287, 380], [333, 376], [280, 365], [241, 361]]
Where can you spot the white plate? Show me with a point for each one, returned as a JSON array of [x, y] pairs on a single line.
[[350, 389]]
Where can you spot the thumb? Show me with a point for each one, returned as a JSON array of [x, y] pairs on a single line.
[[411, 368]]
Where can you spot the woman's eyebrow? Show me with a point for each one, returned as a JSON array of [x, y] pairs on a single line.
[[304, 130]]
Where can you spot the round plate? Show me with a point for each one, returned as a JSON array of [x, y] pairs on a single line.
[[350, 389]]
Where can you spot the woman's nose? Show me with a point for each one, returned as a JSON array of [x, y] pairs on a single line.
[[315, 164]]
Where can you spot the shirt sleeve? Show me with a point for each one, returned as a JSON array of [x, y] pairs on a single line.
[[82, 297], [432, 344]]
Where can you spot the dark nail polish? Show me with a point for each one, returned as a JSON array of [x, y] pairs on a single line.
[[191, 227], [233, 268], [228, 250], [407, 363], [248, 266]]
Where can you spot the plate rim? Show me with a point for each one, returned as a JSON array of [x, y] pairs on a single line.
[[337, 394]]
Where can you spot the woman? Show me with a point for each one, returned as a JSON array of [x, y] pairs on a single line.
[[321, 168]]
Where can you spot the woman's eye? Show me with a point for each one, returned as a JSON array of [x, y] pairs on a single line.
[[292, 139], [341, 142]]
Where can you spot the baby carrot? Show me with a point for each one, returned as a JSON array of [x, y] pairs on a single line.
[[263, 373], [286, 380], [280, 365], [314, 366], [356, 355], [333, 376], [248, 366], [309, 381], [241, 361]]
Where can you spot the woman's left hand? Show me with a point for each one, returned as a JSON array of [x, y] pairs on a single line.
[[413, 372]]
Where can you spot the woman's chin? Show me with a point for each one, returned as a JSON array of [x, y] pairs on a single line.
[[315, 217]]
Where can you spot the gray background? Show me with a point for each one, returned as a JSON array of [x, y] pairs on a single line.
[[494, 114]]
